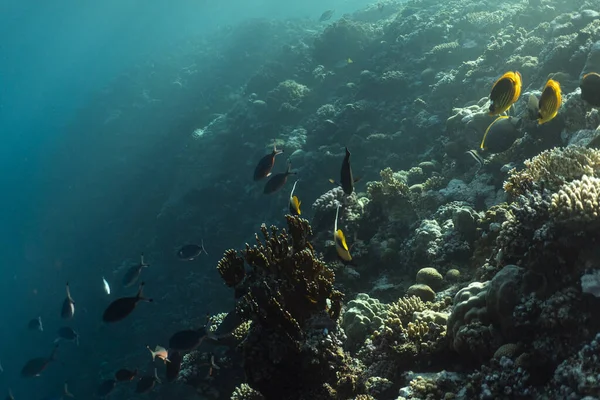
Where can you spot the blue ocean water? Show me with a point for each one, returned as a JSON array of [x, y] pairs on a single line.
[[74, 203]]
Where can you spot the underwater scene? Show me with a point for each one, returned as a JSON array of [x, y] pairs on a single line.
[[311, 200]]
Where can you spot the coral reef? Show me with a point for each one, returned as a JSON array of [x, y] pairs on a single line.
[[290, 299]]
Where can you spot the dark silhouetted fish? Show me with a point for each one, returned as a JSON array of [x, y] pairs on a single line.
[[265, 165], [590, 89], [294, 205], [174, 365], [68, 306], [187, 340], [106, 388], [68, 334], [505, 92], [121, 308], [36, 325], [125, 375], [190, 251], [347, 180], [278, 180], [147, 383], [501, 134], [35, 366], [133, 273], [326, 16], [231, 321]]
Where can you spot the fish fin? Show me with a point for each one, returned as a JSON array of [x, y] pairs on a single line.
[[66, 390], [357, 179], [69, 293], [156, 376], [202, 245], [269, 174], [140, 294], [276, 151]]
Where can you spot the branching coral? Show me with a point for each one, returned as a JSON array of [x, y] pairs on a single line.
[[392, 195], [404, 341], [286, 288], [552, 168]]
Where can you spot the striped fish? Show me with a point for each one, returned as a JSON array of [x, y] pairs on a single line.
[[550, 101], [505, 92]]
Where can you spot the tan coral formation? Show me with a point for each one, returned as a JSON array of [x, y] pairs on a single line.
[[577, 201], [553, 168]]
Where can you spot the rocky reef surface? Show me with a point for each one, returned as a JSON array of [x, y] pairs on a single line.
[[470, 280]]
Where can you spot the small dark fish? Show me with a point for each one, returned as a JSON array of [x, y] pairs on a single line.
[[190, 251], [121, 308], [187, 340], [174, 365], [106, 387], [125, 375], [550, 101], [35, 366], [133, 273], [147, 383], [68, 334], [346, 179], [231, 321], [326, 16], [294, 205], [68, 307], [265, 165], [590, 89], [500, 135], [278, 180], [505, 92], [36, 325]]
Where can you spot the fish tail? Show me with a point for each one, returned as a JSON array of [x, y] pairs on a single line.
[[53, 355], [202, 245], [275, 150], [66, 391], [140, 294], [69, 292], [156, 376]]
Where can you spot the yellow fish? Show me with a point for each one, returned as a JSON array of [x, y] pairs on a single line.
[[505, 92], [294, 202], [340, 240], [550, 101]]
